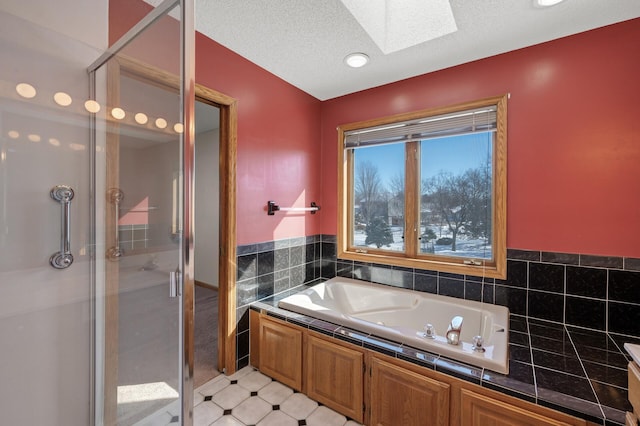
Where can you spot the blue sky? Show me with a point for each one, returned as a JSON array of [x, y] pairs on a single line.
[[453, 154]]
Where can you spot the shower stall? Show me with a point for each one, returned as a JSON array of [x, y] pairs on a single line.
[[96, 183]]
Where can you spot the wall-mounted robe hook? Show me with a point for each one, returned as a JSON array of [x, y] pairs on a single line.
[[272, 207]]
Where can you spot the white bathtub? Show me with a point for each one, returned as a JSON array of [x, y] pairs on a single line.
[[400, 315]]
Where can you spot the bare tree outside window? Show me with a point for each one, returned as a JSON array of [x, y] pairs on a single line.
[[462, 203], [368, 191]]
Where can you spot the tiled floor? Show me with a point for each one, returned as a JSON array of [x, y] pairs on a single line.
[[248, 398]]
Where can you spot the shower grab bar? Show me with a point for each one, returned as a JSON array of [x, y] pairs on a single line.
[[272, 207], [115, 196], [63, 258]]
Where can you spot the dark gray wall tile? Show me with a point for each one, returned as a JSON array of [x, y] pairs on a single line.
[[601, 261], [546, 276], [587, 313], [624, 286], [624, 318], [588, 282], [548, 306]]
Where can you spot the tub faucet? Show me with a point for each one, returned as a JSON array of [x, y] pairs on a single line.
[[453, 332]]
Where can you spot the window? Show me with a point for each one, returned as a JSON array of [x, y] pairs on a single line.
[[426, 189]]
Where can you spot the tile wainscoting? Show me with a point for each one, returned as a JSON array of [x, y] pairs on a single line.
[[592, 292]]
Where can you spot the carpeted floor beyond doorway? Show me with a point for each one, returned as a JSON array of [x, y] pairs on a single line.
[[205, 335]]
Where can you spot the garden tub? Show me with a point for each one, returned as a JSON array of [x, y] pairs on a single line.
[[401, 315]]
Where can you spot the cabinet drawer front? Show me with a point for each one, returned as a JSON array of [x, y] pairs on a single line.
[[634, 386]]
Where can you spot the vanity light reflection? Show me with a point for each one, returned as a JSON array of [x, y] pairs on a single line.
[[63, 99], [26, 90]]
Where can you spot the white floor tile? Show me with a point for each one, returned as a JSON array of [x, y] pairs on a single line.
[[324, 416], [230, 396], [197, 398], [277, 418], [252, 410], [227, 421], [161, 418], [206, 413], [214, 386], [254, 381], [241, 373], [275, 393], [299, 406]]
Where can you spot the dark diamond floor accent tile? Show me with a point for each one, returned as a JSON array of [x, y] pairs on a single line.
[[175, 419], [208, 398], [302, 422], [275, 407], [226, 413], [254, 393], [234, 382]]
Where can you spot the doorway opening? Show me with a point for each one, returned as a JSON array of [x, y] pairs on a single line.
[[206, 241]]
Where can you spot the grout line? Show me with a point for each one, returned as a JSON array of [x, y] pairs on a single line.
[[584, 370]]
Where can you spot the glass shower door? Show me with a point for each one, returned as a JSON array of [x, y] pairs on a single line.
[[139, 174]]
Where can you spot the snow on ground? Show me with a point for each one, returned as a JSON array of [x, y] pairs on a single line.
[[465, 247]]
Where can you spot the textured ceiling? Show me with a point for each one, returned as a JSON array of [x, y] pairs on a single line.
[[305, 41]]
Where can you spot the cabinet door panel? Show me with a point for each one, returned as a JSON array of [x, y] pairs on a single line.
[[402, 397], [335, 377], [481, 410], [281, 353]]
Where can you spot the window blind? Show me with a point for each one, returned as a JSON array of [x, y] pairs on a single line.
[[459, 123]]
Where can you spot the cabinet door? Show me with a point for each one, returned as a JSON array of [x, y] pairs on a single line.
[[634, 386], [334, 377], [281, 353], [481, 410], [402, 397]]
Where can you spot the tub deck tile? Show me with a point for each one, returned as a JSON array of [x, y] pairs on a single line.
[[459, 370], [417, 356], [352, 336]]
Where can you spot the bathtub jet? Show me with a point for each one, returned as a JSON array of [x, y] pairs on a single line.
[[421, 320]]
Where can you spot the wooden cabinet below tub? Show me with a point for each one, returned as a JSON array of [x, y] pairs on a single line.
[[634, 394], [481, 410], [400, 396], [334, 376], [281, 353], [380, 390]]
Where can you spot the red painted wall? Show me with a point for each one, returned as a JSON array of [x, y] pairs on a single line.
[[278, 129], [573, 136]]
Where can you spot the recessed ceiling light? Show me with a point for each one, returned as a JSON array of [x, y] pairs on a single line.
[[547, 3], [356, 60]]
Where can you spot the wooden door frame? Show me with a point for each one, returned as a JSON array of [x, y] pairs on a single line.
[[122, 65]]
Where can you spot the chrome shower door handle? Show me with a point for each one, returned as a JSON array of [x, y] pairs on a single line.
[[115, 196], [174, 283], [63, 258]]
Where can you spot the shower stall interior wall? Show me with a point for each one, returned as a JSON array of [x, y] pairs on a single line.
[[45, 313]]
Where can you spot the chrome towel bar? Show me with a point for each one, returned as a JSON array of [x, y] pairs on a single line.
[[63, 258], [273, 207]]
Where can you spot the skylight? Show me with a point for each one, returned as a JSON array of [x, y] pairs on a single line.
[[397, 24]]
